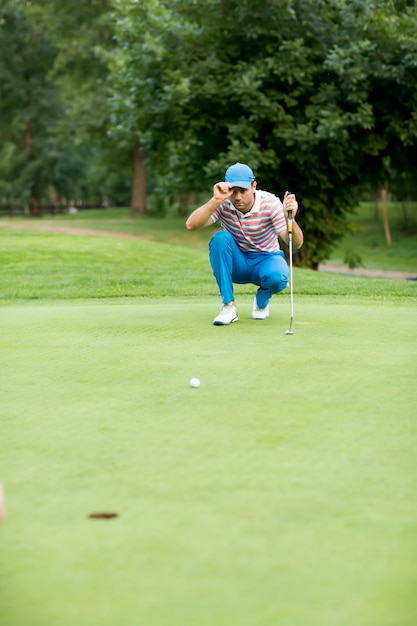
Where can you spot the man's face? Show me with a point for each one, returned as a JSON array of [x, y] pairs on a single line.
[[243, 199]]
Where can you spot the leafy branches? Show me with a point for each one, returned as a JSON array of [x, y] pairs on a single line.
[[317, 95]]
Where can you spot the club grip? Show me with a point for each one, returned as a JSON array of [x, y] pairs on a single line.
[[289, 225]]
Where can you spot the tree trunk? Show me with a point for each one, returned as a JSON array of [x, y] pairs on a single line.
[[28, 139], [405, 217], [185, 200], [138, 200], [376, 208], [34, 206], [224, 9], [384, 194], [53, 198]]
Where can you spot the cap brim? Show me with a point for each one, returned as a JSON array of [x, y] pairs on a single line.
[[244, 184]]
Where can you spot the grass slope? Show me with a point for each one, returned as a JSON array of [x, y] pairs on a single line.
[[364, 241], [38, 265]]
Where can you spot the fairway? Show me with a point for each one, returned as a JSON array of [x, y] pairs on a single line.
[[168, 167], [282, 491]]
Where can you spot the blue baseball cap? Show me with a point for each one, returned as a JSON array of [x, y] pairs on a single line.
[[239, 175]]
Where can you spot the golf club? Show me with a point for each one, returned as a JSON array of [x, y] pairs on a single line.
[[290, 331]]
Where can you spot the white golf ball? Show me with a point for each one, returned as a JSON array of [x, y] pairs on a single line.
[[195, 382]]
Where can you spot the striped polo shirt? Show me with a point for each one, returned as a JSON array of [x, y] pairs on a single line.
[[257, 230]]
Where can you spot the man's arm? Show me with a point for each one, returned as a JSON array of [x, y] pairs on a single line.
[[291, 204], [201, 216]]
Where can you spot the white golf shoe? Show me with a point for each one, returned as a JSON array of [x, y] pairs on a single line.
[[257, 313], [227, 315]]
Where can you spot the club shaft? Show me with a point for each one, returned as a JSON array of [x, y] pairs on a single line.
[[291, 282], [291, 269]]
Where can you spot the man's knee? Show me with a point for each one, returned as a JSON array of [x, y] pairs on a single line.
[[280, 283], [274, 281], [221, 236], [220, 240]]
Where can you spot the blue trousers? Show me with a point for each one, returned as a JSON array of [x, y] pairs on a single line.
[[268, 270]]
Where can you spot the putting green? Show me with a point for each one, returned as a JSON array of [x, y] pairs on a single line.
[[282, 491]]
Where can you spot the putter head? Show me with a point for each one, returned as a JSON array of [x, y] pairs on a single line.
[[289, 332]]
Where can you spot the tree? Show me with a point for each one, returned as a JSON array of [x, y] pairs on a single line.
[[314, 94], [54, 104], [83, 34], [32, 155], [150, 90]]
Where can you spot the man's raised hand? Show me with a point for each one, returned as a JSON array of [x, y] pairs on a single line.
[[222, 191]]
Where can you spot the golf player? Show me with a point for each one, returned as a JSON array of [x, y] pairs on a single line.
[[247, 250]]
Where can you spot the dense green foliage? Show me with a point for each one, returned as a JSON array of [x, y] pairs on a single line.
[[53, 105], [34, 158], [310, 93], [319, 97]]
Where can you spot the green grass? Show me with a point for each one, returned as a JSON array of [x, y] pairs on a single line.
[[165, 230], [37, 265], [282, 491], [365, 239]]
